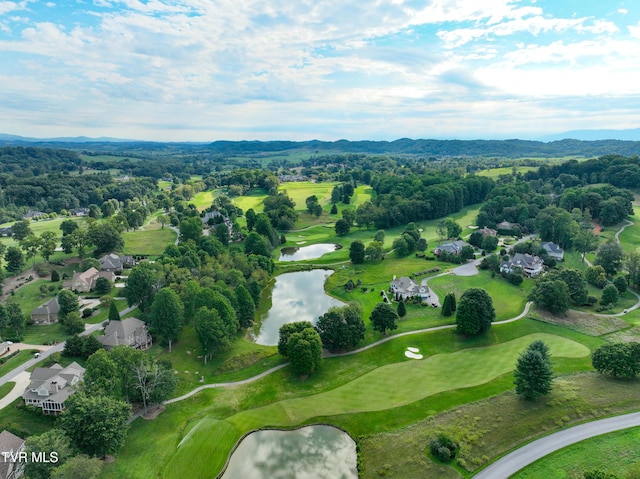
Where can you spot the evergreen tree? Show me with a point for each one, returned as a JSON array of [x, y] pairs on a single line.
[[402, 309], [449, 304], [246, 307], [356, 252], [114, 315], [533, 373], [334, 209]]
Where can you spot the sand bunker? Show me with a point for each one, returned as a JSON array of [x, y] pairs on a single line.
[[413, 353]]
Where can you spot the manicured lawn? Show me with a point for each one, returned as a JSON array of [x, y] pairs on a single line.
[[508, 300], [614, 453], [204, 199], [6, 388], [254, 200], [44, 334], [39, 227], [30, 296], [299, 191], [24, 423], [150, 241], [386, 387], [15, 361]]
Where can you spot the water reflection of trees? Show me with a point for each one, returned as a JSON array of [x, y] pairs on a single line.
[[314, 452]]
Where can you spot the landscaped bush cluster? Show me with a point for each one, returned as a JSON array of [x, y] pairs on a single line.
[[443, 447], [424, 272], [6, 358]]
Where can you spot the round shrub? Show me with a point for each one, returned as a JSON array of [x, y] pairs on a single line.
[[443, 447], [86, 312]]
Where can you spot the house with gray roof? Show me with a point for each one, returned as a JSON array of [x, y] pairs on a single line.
[[46, 313], [50, 387], [405, 288], [529, 264], [33, 215], [553, 250], [114, 262], [126, 332], [453, 247], [10, 447]]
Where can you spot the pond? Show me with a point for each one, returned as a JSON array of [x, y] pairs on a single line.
[[295, 296], [312, 452], [296, 253]]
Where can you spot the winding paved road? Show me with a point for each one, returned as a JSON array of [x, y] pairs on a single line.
[[522, 457]]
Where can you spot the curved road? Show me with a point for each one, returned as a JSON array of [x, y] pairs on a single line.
[[522, 457]]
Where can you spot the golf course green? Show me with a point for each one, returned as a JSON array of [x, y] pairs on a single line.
[[204, 449]]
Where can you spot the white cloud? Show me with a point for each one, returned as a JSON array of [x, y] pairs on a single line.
[[623, 11]]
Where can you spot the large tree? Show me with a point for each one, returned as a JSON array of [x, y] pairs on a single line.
[[341, 328], [246, 311], [552, 295], [20, 230], [342, 227], [79, 467], [153, 381], [356, 252], [474, 312], [167, 313], [14, 258], [212, 332], [16, 321], [191, 229], [97, 425], [449, 304], [68, 303], [105, 236], [48, 244], [304, 350], [101, 375], [141, 284], [54, 440], [533, 373], [31, 246], [609, 255], [617, 359], [383, 317]]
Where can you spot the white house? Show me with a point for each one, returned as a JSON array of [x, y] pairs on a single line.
[[530, 265], [404, 288]]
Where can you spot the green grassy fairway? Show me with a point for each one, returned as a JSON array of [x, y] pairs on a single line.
[[151, 241], [630, 237], [386, 387]]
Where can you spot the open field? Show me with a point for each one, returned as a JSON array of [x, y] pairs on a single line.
[[496, 172], [150, 241], [614, 453], [39, 227]]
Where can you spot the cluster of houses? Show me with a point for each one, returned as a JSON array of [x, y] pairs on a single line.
[[50, 387], [83, 282], [531, 265]]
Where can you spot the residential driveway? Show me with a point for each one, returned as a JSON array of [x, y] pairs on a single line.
[[22, 381], [516, 460], [467, 269]]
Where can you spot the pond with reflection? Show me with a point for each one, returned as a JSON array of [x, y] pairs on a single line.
[[295, 296], [296, 253], [311, 452]]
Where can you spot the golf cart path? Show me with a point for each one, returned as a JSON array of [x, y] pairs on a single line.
[[525, 455], [332, 355]]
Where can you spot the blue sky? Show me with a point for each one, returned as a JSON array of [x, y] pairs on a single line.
[[202, 70]]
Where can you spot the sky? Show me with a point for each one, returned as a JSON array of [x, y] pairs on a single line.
[[205, 70]]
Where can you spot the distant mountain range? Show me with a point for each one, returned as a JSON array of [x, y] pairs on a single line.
[[592, 135], [552, 148]]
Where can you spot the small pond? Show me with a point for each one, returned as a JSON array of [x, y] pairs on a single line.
[[295, 253], [295, 296], [312, 452]]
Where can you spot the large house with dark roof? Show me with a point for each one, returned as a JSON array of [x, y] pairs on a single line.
[[50, 387], [530, 265], [10, 448], [553, 250], [453, 247], [113, 262], [127, 332]]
